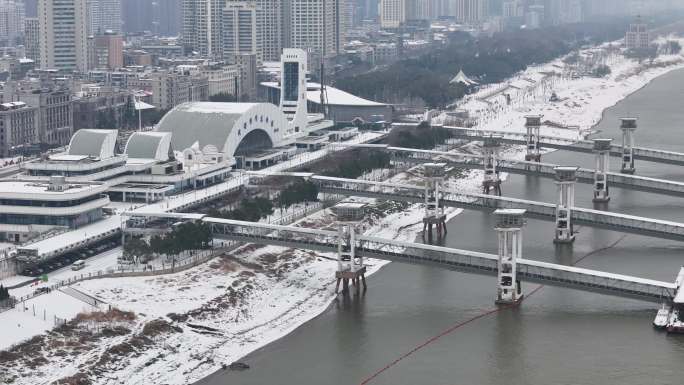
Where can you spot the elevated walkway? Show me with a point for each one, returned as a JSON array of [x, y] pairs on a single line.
[[453, 259], [544, 170], [584, 146], [537, 210]]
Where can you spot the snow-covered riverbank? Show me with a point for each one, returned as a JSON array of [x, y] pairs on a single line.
[[580, 102], [234, 305]]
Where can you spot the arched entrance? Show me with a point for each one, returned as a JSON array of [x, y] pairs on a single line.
[[254, 142]]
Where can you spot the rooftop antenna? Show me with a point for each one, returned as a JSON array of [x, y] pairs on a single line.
[[324, 90]]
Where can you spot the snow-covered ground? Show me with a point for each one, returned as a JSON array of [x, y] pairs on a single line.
[[39, 315], [581, 100], [246, 299]]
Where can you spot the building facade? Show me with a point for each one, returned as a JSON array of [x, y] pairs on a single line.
[[171, 88], [17, 127], [106, 51], [239, 28], [55, 119], [392, 13], [63, 34], [12, 15], [247, 67], [201, 26], [637, 36], [470, 11], [32, 39], [103, 16], [270, 28], [311, 26], [418, 9], [102, 107], [223, 80], [165, 16]]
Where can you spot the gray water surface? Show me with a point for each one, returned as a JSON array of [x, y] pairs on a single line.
[[557, 336]]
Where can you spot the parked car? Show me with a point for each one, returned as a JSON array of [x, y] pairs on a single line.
[[41, 290], [78, 265]]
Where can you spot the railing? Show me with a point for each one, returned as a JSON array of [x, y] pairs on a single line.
[[547, 170], [176, 265], [537, 210], [586, 146], [460, 260], [81, 296]]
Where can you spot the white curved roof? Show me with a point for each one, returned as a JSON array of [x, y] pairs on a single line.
[[149, 145], [93, 143], [211, 123], [335, 96]]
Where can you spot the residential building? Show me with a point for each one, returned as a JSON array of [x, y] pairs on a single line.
[[32, 39], [637, 37], [470, 11], [418, 9], [103, 16], [101, 107], [171, 88], [54, 118], [63, 34], [270, 28], [385, 52], [107, 51], [165, 16], [137, 57], [343, 15], [18, 127], [247, 65], [513, 9], [392, 13], [222, 79], [12, 15], [239, 27], [312, 25], [201, 28], [269, 24], [534, 17]]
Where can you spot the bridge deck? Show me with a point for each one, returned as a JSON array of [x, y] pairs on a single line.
[[585, 146], [544, 170], [453, 259], [538, 210]]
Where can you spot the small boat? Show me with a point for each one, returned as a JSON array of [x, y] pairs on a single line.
[[661, 318]]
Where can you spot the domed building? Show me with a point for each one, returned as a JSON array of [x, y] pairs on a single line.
[[244, 130]]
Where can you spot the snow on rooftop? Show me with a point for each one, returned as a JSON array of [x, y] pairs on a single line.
[[216, 107], [64, 157], [18, 188], [335, 96]]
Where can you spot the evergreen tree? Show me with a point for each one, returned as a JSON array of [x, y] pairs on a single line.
[[4, 293]]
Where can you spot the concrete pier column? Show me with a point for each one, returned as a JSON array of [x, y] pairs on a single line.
[[350, 267], [628, 126], [490, 150], [566, 177], [533, 127], [509, 224], [602, 151], [433, 176]]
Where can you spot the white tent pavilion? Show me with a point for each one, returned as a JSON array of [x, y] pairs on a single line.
[[463, 79]]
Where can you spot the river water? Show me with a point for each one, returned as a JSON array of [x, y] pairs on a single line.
[[557, 336]]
